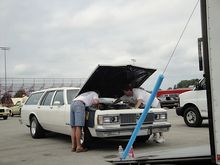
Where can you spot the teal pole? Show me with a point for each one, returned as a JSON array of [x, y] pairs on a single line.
[[143, 116]]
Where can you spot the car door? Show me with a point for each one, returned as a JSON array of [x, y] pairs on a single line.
[[70, 95], [202, 102], [44, 109], [202, 98], [57, 110]]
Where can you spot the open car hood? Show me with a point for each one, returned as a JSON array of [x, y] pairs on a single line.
[[109, 81]]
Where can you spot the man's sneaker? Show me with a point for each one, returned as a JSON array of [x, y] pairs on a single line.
[[154, 138], [81, 150], [160, 140]]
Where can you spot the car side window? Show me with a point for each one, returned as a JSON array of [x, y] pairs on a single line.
[[71, 94], [47, 98], [34, 98], [58, 98]]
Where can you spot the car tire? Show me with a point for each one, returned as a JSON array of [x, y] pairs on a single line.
[[5, 117], [36, 130], [192, 117], [142, 139]]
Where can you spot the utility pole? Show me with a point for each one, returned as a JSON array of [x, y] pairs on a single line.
[[5, 49]]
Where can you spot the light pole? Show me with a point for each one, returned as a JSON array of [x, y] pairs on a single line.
[[133, 60], [5, 49]]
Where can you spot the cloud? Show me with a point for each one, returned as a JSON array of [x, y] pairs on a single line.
[[20, 68], [70, 38]]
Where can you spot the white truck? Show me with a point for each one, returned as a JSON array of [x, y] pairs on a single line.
[[193, 105]]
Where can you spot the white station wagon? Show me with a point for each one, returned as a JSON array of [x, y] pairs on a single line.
[[49, 110]]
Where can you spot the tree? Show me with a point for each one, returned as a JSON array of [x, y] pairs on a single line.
[[20, 93], [6, 100], [187, 83]]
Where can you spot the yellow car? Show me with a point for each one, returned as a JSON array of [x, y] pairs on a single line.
[[4, 112], [16, 109]]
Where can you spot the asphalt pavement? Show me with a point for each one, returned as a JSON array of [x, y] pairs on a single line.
[[19, 148]]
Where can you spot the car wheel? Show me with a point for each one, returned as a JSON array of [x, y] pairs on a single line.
[[142, 139], [35, 128], [192, 117], [5, 117]]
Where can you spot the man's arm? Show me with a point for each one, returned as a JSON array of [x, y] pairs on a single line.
[[138, 104]]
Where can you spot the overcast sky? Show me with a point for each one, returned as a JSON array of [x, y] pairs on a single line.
[[68, 39]]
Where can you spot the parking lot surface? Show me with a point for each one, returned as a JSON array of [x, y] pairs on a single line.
[[19, 148]]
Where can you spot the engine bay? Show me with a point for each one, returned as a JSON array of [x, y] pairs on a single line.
[[107, 106]]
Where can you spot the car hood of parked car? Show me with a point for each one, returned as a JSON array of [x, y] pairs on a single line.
[[109, 81]]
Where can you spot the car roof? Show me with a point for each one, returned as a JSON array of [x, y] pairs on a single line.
[[58, 88]]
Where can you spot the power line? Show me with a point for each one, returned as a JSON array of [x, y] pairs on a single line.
[[184, 29]]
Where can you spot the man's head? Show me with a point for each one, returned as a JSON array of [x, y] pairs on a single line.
[[128, 91]]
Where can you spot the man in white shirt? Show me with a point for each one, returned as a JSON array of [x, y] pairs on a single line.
[[77, 117], [139, 97]]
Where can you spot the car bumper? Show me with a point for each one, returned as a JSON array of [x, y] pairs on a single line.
[[4, 114], [179, 111], [17, 112], [128, 130]]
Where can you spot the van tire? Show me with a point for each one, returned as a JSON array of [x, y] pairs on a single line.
[[36, 130], [192, 117]]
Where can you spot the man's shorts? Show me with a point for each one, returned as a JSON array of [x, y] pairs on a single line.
[[77, 113]]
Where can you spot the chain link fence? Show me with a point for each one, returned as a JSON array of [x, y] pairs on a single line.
[[35, 84]]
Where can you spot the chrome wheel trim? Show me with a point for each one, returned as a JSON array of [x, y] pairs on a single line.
[[33, 127], [191, 117]]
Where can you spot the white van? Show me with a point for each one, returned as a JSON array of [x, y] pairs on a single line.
[[193, 105]]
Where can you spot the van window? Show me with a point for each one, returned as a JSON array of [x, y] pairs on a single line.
[[34, 98], [201, 85]]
